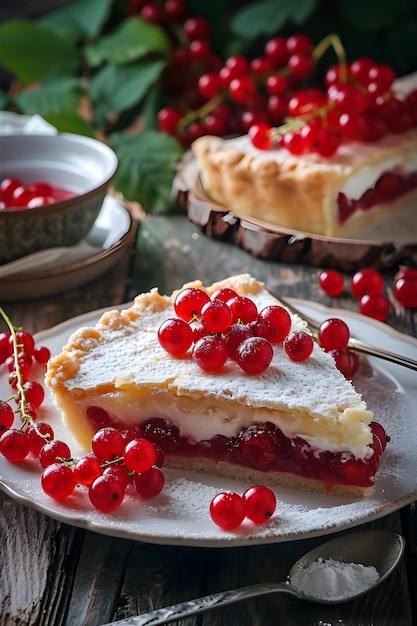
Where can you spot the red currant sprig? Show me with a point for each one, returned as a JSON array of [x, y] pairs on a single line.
[[116, 460], [227, 326]]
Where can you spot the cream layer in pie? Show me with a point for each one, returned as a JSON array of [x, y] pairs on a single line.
[[296, 424], [334, 197]]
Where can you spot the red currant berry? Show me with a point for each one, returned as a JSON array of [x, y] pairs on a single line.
[[333, 334], [224, 294], [34, 393], [299, 44], [175, 336], [275, 323], [8, 187], [42, 354], [199, 331], [260, 503], [176, 9], [301, 66], [366, 280], [197, 28], [210, 353], [189, 302], [6, 416], [331, 282], [276, 51], [107, 444], [152, 13], [58, 481], [234, 337], [405, 289], [148, 484], [209, 85], [53, 452], [201, 50], [39, 434], [14, 445], [117, 471], [374, 305], [227, 510], [168, 120], [346, 361], [28, 411], [298, 345], [294, 143], [254, 355], [216, 316], [25, 342], [261, 136], [242, 89], [106, 493], [5, 346], [261, 66], [139, 455], [244, 309], [87, 469]]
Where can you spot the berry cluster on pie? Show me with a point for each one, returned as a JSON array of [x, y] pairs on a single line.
[[338, 195], [290, 419]]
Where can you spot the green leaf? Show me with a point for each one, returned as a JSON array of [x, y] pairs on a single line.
[[302, 10], [70, 123], [146, 168], [82, 18], [117, 88], [269, 17], [58, 95], [132, 40], [31, 52]]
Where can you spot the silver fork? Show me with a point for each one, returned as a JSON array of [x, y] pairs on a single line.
[[354, 344]]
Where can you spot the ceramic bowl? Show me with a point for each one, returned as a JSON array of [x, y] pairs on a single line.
[[77, 164]]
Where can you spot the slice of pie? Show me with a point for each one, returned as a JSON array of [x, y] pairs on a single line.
[[341, 196], [297, 424]]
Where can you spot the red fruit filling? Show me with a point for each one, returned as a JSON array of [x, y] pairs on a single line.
[[389, 187], [262, 447]]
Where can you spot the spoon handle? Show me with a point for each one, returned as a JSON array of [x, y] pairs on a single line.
[[200, 605]]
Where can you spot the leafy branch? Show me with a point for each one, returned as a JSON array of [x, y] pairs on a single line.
[[89, 68]]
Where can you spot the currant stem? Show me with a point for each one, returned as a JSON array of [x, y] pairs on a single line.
[[20, 383], [334, 41], [201, 113]]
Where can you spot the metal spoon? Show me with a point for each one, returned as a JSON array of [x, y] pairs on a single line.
[[381, 549]]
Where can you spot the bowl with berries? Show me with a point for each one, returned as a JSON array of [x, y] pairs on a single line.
[[52, 188]]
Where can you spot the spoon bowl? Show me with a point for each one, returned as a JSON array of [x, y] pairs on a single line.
[[379, 549]]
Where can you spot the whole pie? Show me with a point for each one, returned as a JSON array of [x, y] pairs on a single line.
[[296, 424], [339, 196]]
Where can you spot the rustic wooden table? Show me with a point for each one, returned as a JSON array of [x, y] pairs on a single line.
[[53, 574]]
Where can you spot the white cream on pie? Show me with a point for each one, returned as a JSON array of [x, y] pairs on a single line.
[[334, 197], [116, 373]]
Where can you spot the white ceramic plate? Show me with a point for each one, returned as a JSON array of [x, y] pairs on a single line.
[[56, 270], [180, 514]]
